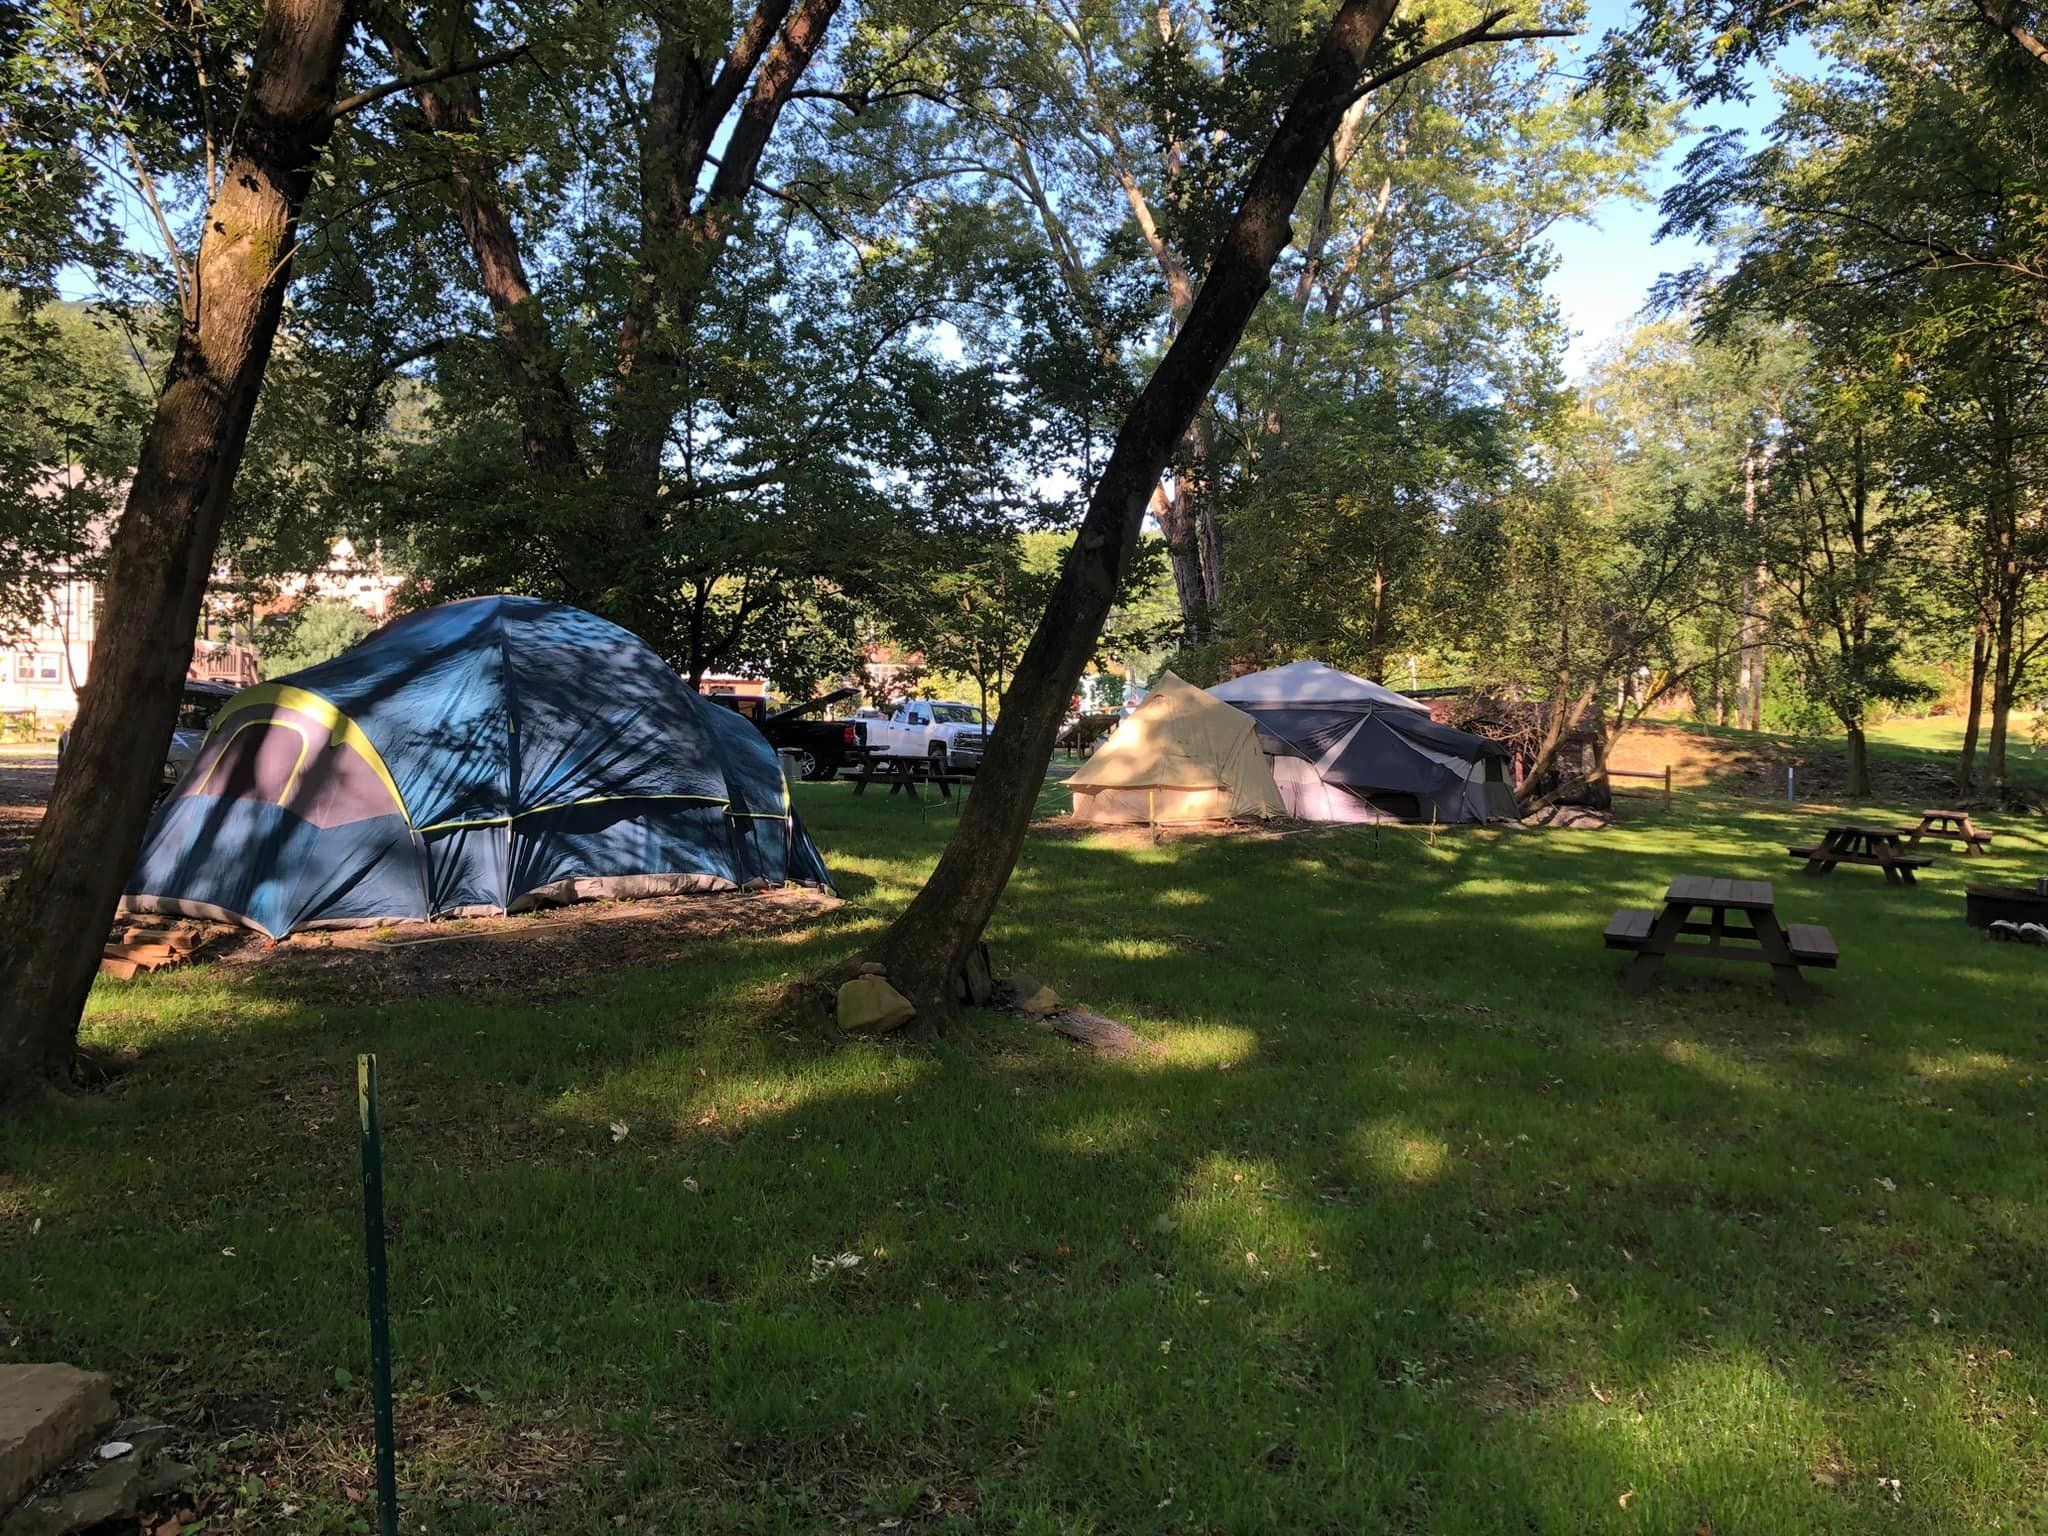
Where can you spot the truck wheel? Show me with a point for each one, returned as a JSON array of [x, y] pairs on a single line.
[[824, 774], [938, 757], [804, 765]]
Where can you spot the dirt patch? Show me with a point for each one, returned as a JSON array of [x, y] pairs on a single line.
[[538, 954], [24, 790]]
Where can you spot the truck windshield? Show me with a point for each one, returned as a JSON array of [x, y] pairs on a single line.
[[957, 714]]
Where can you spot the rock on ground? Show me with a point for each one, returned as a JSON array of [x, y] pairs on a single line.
[[1027, 994], [868, 1005]]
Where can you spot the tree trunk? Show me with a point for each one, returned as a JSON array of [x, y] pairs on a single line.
[[1749, 685], [55, 918], [533, 366], [925, 946], [1564, 715], [1208, 535], [1859, 761], [1973, 709], [2007, 593], [2001, 705], [1184, 554], [679, 247]]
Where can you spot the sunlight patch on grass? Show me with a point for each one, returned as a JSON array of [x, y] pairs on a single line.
[[1961, 1063], [1719, 1066], [1181, 896], [1209, 1045], [1243, 1215], [663, 1097], [1397, 1153], [1107, 1133], [1141, 949]]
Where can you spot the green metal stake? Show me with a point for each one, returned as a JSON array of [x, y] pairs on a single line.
[[380, 1309]]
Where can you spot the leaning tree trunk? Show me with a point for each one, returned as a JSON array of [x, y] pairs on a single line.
[[55, 917], [925, 947]]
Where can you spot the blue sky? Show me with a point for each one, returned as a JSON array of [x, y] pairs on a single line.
[[1607, 264]]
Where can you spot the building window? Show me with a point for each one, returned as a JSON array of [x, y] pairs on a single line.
[[37, 669]]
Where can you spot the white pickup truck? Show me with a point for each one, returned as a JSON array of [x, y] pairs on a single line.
[[953, 735]]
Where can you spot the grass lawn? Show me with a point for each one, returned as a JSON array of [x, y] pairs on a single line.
[[1416, 1224]]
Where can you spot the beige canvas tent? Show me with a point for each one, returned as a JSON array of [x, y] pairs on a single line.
[[1181, 756]]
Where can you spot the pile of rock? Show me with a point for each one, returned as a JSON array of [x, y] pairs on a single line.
[[60, 1459], [868, 1005]]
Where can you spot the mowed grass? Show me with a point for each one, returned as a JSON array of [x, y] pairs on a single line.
[[1417, 1223], [1942, 735]]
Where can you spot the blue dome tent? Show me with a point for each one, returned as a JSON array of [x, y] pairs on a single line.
[[480, 757]]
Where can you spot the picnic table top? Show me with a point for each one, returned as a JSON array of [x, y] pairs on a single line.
[[1703, 890], [1864, 829]]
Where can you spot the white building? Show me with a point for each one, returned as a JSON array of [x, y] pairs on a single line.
[[41, 672], [44, 669]]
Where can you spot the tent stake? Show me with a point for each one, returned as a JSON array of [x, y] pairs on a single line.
[[380, 1308]]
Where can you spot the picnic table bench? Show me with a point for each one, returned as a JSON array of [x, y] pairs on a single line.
[[1737, 919], [1878, 847], [903, 774], [1953, 826]]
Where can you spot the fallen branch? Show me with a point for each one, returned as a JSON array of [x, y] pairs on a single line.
[[1105, 1035]]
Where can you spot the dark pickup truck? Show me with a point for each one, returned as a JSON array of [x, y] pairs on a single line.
[[820, 747]]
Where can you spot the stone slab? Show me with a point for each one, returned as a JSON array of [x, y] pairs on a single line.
[[111, 1491], [47, 1413]]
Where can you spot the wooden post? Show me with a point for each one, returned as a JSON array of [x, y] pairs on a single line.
[[1667, 786]]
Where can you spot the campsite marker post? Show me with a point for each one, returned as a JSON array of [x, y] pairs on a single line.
[[380, 1309]]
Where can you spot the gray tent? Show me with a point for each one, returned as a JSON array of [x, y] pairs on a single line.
[[1345, 749]]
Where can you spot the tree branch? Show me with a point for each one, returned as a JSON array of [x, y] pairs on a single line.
[[2031, 45], [441, 72], [1471, 37]]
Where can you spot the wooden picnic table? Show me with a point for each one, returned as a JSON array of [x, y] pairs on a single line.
[[1878, 847], [1736, 919], [903, 774], [1953, 826]]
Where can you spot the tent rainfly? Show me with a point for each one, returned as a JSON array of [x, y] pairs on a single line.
[[1181, 756], [1345, 749], [1300, 684], [480, 757]]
